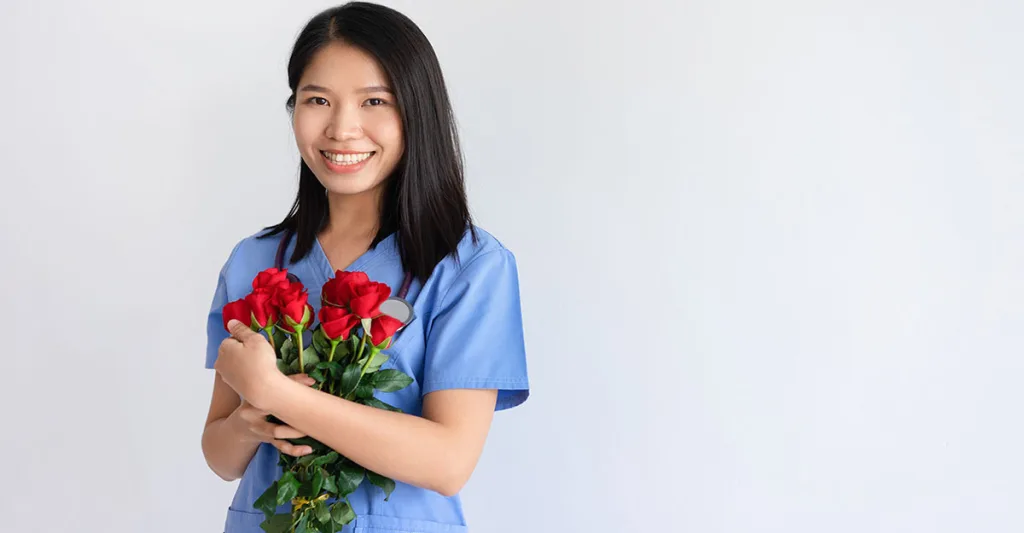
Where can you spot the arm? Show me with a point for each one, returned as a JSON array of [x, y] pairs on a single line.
[[234, 430], [437, 451], [226, 451]]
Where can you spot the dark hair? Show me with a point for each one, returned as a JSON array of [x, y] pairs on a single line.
[[424, 202]]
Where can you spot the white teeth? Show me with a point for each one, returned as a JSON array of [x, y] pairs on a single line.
[[347, 159]]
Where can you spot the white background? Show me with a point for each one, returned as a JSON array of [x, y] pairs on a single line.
[[771, 255]]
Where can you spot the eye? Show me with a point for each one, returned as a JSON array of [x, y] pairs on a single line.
[[317, 100], [375, 102]]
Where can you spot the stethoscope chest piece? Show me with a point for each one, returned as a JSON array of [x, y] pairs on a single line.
[[399, 309]]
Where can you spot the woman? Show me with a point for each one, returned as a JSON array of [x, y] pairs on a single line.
[[380, 191]]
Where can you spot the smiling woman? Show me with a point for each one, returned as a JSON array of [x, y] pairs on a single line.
[[347, 126], [380, 192]]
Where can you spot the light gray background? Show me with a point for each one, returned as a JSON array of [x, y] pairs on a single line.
[[771, 255]]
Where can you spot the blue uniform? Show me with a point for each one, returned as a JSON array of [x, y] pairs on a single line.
[[467, 334]]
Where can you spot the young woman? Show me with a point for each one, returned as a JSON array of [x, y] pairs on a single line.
[[380, 191]]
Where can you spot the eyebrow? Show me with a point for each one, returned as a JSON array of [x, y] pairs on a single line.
[[372, 89]]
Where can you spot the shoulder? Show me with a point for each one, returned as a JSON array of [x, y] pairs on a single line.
[[248, 257], [481, 258], [479, 250]]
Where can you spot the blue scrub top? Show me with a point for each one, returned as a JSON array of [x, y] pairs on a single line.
[[467, 334]]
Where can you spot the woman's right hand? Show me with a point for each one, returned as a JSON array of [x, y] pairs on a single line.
[[254, 427]]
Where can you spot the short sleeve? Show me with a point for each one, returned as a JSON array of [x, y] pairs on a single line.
[[215, 332], [476, 337]]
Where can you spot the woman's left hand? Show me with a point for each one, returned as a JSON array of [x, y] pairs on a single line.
[[247, 363]]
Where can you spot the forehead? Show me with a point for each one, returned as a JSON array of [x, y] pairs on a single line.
[[342, 67]]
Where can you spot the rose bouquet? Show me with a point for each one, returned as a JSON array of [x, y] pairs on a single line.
[[344, 357]]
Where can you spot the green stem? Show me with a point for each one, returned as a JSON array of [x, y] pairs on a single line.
[[362, 344], [298, 341], [362, 371], [270, 335], [330, 357]]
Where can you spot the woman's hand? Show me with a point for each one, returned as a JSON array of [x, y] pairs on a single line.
[[252, 424], [247, 363]]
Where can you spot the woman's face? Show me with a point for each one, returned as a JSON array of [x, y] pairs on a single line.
[[346, 122]]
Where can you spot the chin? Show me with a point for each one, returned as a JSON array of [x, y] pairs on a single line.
[[348, 186]]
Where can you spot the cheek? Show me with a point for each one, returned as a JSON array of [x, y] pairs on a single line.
[[305, 127], [387, 132]]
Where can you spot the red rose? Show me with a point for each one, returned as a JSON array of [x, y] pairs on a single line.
[[367, 297], [237, 310], [292, 303], [271, 278], [339, 290], [337, 323], [382, 327], [261, 304]]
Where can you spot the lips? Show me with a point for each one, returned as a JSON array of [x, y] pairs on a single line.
[[346, 158], [346, 162]]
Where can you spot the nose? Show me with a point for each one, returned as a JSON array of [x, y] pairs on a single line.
[[344, 125]]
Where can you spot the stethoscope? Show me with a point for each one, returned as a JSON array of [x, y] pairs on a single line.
[[396, 306]]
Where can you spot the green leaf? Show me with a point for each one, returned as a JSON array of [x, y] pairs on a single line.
[[379, 358], [268, 501], [287, 488], [329, 485], [385, 483], [278, 523], [310, 359], [305, 460], [318, 375], [334, 368], [365, 389], [306, 490], [350, 475], [293, 367], [321, 343], [323, 514], [391, 380], [374, 402], [318, 482], [289, 352], [350, 378], [342, 351], [300, 526], [282, 366], [325, 459], [279, 337], [342, 513]]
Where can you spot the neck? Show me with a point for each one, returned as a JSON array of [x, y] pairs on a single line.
[[353, 216]]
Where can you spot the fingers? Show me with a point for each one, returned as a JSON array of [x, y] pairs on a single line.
[[251, 414], [271, 432], [291, 449], [303, 378], [279, 431], [242, 332], [285, 432]]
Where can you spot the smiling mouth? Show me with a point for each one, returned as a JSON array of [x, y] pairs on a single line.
[[346, 159]]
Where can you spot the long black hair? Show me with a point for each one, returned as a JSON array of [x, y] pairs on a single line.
[[424, 201]]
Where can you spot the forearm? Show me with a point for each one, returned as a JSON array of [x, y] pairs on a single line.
[[403, 447], [226, 451]]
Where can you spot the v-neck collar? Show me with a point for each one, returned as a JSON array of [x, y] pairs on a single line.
[[325, 271]]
